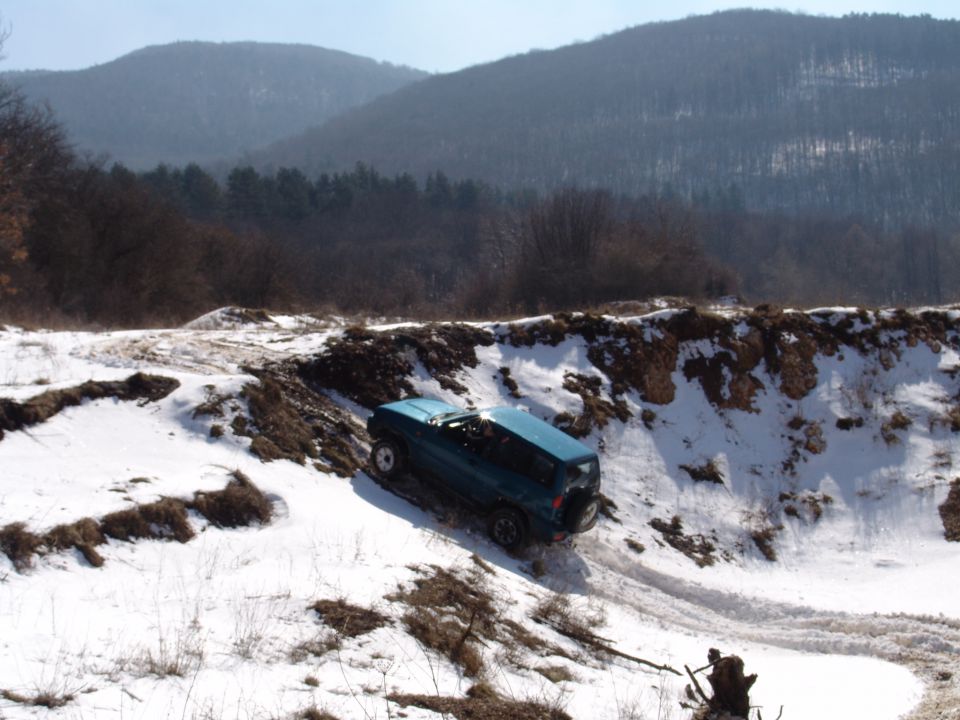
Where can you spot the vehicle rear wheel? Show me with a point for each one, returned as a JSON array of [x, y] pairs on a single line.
[[386, 459], [582, 513], [507, 528]]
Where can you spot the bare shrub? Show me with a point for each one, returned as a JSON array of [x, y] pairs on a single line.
[[239, 504], [897, 421], [452, 615], [576, 623]]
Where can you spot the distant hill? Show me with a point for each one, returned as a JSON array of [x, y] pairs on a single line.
[[853, 115], [199, 101]]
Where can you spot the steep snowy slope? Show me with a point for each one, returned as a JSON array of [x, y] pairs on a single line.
[[774, 484]]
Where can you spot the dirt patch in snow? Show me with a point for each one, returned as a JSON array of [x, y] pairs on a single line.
[[950, 513], [597, 410], [145, 388]]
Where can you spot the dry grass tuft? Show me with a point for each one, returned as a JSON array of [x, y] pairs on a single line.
[[348, 620], [239, 504], [283, 433], [84, 535], [19, 544], [597, 410], [146, 388], [161, 520], [482, 703], [44, 699]]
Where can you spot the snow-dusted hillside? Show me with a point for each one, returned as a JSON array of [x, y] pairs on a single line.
[[775, 484]]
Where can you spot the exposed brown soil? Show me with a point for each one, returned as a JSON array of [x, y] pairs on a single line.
[[763, 539], [597, 410], [643, 356], [950, 513], [145, 388], [372, 368]]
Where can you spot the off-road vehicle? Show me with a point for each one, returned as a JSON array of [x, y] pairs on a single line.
[[530, 479]]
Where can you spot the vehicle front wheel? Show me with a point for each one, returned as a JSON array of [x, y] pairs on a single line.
[[507, 528], [386, 459]]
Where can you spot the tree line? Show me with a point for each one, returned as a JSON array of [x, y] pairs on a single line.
[[81, 242]]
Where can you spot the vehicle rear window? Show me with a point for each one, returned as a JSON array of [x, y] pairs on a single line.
[[583, 473]]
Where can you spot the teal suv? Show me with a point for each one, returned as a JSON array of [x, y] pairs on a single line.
[[528, 478]]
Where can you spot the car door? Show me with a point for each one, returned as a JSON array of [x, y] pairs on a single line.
[[449, 456]]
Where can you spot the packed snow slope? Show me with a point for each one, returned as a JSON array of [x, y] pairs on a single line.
[[188, 529]]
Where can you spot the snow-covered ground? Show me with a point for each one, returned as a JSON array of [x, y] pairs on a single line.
[[858, 617]]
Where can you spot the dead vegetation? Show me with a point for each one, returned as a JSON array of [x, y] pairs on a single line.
[[141, 387], [730, 688], [807, 505], [509, 383], [696, 547], [950, 513], [45, 699], [707, 472], [240, 503], [348, 620], [292, 420], [897, 421], [455, 613], [482, 702]]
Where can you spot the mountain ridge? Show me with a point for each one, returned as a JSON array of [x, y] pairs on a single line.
[[196, 101]]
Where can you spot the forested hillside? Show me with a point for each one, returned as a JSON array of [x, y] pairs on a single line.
[[857, 115], [200, 101]]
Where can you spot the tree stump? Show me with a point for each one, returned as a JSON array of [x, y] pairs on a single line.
[[731, 689]]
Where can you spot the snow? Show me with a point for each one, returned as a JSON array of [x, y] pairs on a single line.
[[858, 605]]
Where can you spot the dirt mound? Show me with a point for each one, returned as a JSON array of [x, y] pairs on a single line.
[[373, 367], [145, 388], [292, 420]]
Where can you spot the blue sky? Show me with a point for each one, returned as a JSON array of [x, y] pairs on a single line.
[[434, 35]]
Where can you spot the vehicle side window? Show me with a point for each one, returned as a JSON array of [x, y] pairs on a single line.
[[520, 457]]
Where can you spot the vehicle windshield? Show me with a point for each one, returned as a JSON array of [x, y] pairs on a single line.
[[444, 417]]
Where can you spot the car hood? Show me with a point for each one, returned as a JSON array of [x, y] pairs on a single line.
[[420, 409]]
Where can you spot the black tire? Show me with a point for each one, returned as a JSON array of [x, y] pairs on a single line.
[[507, 528], [582, 513], [386, 459]]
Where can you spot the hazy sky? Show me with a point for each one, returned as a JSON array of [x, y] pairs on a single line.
[[435, 35]]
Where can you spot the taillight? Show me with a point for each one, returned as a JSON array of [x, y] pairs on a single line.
[[557, 537], [557, 502]]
